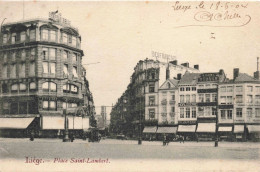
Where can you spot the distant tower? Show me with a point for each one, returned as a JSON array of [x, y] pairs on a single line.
[[257, 74]]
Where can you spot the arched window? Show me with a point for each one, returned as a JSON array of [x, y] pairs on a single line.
[[22, 87], [32, 86], [14, 88], [74, 89], [53, 87], [49, 87], [66, 88]]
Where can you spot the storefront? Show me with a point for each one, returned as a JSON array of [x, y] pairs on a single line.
[[206, 131], [149, 133], [170, 132], [187, 131], [254, 132], [239, 132], [14, 127], [225, 133]]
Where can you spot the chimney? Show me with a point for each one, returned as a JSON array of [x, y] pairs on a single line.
[[221, 72], [235, 73], [179, 76], [196, 67], [257, 75], [174, 62], [185, 64], [167, 72]]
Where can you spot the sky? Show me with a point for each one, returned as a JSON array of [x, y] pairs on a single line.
[[116, 35]]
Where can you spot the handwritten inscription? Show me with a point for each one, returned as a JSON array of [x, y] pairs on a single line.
[[207, 12]]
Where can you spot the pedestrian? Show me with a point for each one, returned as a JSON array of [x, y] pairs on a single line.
[[150, 138], [183, 138], [164, 140], [32, 136]]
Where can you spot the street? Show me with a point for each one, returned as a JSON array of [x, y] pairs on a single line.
[[126, 149]]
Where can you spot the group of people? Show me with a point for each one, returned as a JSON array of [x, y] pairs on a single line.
[[166, 139]]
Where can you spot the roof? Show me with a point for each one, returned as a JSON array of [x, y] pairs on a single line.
[[173, 82], [243, 77], [189, 79]]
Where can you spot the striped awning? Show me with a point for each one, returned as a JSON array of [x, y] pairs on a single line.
[[206, 128], [187, 128], [168, 130], [15, 123], [253, 128], [149, 129], [239, 129], [225, 129]]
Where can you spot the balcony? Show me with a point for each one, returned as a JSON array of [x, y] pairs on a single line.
[[164, 102], [172, 102]]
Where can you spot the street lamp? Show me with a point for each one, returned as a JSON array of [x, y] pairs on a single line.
[[66, 134]]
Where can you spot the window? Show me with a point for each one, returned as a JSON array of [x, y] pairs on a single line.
[[229, 89], [181, 112], [52, 68], [173, 97], [32, 86], [222, 89], [14, 88], [187, 112], [172, 109], [74, 71], [229, 114], [64, 105], [182, 89], [53, 35], [65, 69], [193, 112], [14, 39], [5, 39], [13, 71], [193, 98], [5, 57], [4, 71], [257, 112], [151, 100], [193, 88], [65, 55], [32, 69], [5, 88], [22, 87], [151, 113], [223, 114], [239, 88], [14, 108], [207, 111], [52, 55], [32, 35], [249, 98], [181, 98], [187, 88], [164, 109], [45, 35], [23, 54], [74, 89], [22, 36], [45, 67], [49, 105], [45, 53], [74, 41], [201, 86], [64, 38], [214, 86], [257, 89], [207, 97], [257, 99], [74, 58], [201, 111], [66, 88], [250, 88], [239, 113], [239, 99], [201, 97], [249, 112], [6, 107], [49, 86], [214, 98], [214, 111], [22, 70], [207, 86], [13, 56], [229, 100], [151, 88], [187, 98]]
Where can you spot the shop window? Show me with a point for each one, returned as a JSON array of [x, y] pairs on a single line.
[[33, 107], [14, 108], [239, 113], [22, 107], [22, 36], [32, 35]]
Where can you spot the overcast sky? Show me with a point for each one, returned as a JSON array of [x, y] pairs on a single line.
[[119, 34]]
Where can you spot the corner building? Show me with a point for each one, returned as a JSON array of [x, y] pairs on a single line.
[[41, 74]]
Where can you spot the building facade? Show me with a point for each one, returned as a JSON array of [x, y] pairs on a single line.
[[41, 74]]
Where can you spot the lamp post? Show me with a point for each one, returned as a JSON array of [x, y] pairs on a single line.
[[66, 134], [216, 133], [140, 124]]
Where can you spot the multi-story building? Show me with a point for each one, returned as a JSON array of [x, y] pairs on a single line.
[[239, 111], [41, 74]]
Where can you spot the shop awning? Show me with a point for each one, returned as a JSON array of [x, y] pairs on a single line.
[[75, 123], [239, 129], [149, 129], [206, 128], [225, 129], [15, 123], [168, 130], [253, 128], [186, 128], [85, 123], [53, 123]]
